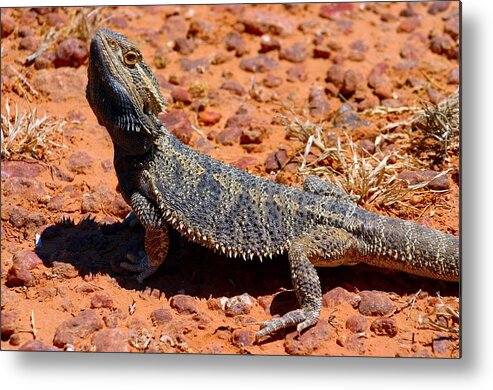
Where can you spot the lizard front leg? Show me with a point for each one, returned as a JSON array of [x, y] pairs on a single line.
[[156, 239], [325, 246]]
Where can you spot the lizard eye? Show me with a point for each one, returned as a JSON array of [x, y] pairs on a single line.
[[131, 58]]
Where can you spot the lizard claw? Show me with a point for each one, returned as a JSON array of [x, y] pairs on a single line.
[[302, 318], [140, 266]]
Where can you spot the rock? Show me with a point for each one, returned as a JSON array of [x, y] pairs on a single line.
[[453, 77], [359, 45], [440, 344], [18, 276], [180, 95], [161, 317], [443, 45], [183, 304], [37, 345], [243, 338], [234, 87], [8, 323], [239, 120], [318, 102], [27, 188], [356, 343], [384, 327], [271, 81], [209, 118], [335, 75], [259, 22], [296, 53], [79, 327], [276, 160], [229, 136], [65, 270], [259, 64], [238, 305], [440, 183], [335, 10], [110, 340], [198, 65], [101, 300], [347, 117], [377, 75], [267, 43], [350, 83], [434, 96], [29, 43], [356, 56], [8, 25], [80, 162], [297, 72], [178, 123], [373, 303], [252, 136], [321, 52], [20, 169], [356, 324], [71, 52], [184, 46], [367, 145], [309, 341], [438, 6], [388, 17], [384, 90], [408, 11], [26, 259], [452, 28], [203, 30], [112, 319], [409, 25], [234, 41], [245, 162], [335, 297]]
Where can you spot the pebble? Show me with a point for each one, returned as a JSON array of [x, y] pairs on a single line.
[[8, 25], [71, 52], [438, 6], [276, 160], [367, 145], [297, 52], [321, 52], [26, 259], [377, 75], [180, 95], [112, 319], [235, 42], [335, 297], [65, 270], [99, 300], [253, 135], [347, 117], [335, 10], [356, 324], [454, 76], [79, 327], [434, 96], [443, 45], [318, 102], [161, 316], [238, 305], [179, 124], [242, 338], [20, 169], [184, 46], [198, 65], [110, 340], [415, 177], [234, 87], [259, 22], [350, 83], [202, 30], [271, 81], [335, 75], [440, 344], [80, 162], [19, 276], [267, 44], [229, 136], [452, 28], [408, 25], [259, 64], [245, 162], [356, 343], [7, 323], [309, 341], [184, 304], [209, 118], [373, 303], [384, 327], [29, 43], [37, 345], [297, 72], [27, 188]]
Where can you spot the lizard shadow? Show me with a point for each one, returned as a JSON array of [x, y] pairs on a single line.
[[93, 247]]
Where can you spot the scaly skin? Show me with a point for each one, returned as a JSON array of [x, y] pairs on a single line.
[[228, 210]]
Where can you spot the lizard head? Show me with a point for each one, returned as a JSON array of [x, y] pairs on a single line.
[[123, 92]]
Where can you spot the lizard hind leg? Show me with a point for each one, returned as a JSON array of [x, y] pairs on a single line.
[[325, 246]]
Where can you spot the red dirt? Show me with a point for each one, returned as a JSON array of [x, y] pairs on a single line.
[[77, 268]]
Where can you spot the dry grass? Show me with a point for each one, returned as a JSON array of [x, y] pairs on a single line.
[[27, 135], [443, 317]]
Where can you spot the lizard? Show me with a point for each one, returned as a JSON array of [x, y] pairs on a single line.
[[170, 185]]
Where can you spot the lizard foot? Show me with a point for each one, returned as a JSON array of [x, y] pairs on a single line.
[[302, 318], [140, 266]]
